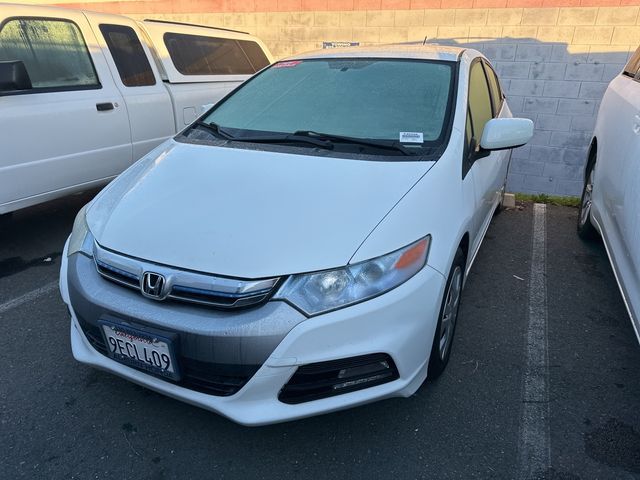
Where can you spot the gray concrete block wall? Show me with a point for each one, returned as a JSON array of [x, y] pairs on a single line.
[[555, 72], [554, 64], [560, 92]]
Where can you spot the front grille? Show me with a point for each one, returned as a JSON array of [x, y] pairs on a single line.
[[327, 379], [217, 379], [218, 299], [184, 285], [117, 275]]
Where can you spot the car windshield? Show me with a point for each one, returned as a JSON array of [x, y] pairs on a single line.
[[403, 102]]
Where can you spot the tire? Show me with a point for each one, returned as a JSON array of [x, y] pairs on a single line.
[[447, 318], [586, 230]]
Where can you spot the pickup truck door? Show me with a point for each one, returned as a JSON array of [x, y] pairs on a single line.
[[71, 129], [137, 78]]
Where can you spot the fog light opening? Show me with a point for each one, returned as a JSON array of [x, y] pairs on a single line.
[[326, 379]]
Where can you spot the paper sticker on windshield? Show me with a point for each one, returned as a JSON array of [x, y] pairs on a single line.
[[411, 137], [289, 64]]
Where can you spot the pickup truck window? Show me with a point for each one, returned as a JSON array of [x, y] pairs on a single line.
[[128, 55], [201, 55], [53, 51]]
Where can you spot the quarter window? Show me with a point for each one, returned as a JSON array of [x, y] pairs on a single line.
[[496, 92], [52, 50], [201, 55], [129, 56]]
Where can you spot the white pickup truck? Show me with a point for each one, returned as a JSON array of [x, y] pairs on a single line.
[[83, 95]]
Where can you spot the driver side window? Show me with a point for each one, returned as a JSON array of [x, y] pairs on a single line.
[[479, 112]]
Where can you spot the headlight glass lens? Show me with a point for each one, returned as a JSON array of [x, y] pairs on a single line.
[[320, 292], [81, 239]]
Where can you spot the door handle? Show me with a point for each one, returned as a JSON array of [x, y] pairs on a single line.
[[636, 125], [103, 107]]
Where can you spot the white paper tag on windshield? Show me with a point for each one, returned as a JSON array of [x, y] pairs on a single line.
[[411, 137]]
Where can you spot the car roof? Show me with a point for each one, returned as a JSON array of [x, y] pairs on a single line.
[[404, 51]]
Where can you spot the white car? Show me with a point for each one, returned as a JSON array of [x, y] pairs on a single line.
[[83, 95], [302, 248], [611, 196]]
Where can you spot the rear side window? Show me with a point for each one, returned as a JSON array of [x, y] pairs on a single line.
[[631, 68], [129, 56], [200, 55], [52, 50], [494, 87]]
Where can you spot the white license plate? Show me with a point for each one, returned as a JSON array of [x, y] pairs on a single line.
[[140, 349]]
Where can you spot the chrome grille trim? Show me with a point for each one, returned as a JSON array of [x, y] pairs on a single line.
[[183, 285]]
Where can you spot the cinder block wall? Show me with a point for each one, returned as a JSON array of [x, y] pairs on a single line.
[[554, 57]]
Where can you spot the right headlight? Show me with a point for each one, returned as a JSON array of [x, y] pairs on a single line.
[[320, 292], [81, 239]]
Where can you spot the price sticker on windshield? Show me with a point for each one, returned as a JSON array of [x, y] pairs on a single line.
[[289, 64], [411, 137]]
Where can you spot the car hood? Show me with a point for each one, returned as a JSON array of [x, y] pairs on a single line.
[[247, 213]]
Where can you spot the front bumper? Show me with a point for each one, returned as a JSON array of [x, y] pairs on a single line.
[[400, 323]]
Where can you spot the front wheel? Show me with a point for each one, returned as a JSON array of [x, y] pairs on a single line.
[[586, 230], [441, 348]]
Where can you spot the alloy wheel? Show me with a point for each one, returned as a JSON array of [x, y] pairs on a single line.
[[450, 312], [585, 207]]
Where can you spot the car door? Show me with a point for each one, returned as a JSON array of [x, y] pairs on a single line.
[[146, 98], [70, 128], [628, 214], [487, 169], [616, 127]]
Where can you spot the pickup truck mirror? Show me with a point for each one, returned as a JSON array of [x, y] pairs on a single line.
[[14, 76]]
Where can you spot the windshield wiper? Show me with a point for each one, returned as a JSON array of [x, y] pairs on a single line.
[[385, 144], [279, 138], [214, 128]]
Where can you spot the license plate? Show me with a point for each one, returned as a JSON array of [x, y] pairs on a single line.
[[139, 349]]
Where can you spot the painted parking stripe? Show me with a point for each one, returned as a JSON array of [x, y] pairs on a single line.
[[29, 296], [534, 454]]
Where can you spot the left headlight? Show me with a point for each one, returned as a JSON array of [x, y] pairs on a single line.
[[81, 239], [320, 292]]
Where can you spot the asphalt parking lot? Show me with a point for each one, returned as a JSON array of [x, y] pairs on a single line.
[[60, 419]]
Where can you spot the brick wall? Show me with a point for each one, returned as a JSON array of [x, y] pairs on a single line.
[[554, 58]]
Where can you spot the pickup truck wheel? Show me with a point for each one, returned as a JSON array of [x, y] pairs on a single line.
[[447, 319], [586, 230]]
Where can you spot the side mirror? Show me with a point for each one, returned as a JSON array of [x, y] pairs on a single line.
[[14, 76], [504, 133]]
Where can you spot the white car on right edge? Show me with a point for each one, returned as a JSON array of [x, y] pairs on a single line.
[[611, 195]]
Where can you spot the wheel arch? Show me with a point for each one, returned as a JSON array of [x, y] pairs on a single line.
[[591, 157], [464, 245]]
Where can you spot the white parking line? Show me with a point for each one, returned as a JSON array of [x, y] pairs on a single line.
[[28, 297], [534, 454]]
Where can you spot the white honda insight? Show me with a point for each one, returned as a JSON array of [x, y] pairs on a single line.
[[302, 248]]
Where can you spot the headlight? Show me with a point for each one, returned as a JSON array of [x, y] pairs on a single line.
[[81, 239], [319, 292]]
